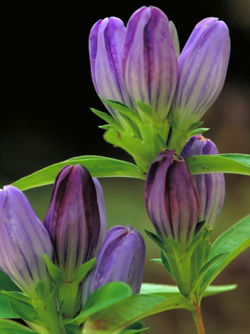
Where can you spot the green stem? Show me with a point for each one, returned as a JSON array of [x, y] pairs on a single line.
[[69, 296], [177, 140], [51, 318], [197, 316]]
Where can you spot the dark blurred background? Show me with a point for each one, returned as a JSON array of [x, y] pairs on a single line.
[[46, 119]]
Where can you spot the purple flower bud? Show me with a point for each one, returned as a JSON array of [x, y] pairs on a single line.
[[23, 241], [211, 187], [135, 63], [171, 198], [120, 258], [102, 210], [74, 218], [149, 60], [105, 48], [202, 70]]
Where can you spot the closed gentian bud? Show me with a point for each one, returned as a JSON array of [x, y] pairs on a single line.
[[149, 60], [106, 42], [202, 70], [73, 219], [171, 198], [120, 258], [211, 187], [23, 241]]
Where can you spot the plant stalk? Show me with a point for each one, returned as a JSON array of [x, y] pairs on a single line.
[[197, 316], [48, 313]]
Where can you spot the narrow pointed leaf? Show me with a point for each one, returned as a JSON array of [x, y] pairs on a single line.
[[170, 290], [120, 315], [6, 283], [104, 116], [12, 327], [103, 298], [6, 310], [232, 242], [84, 269], [98, 166], [24, 311], [219, 163]]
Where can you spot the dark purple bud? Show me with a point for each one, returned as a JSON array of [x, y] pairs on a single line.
[[23, 241], [120, 258], [211, 187], [73, 219], [171, 198]]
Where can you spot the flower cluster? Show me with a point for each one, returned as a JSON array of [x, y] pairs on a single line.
[[74, 229], [141, 62]]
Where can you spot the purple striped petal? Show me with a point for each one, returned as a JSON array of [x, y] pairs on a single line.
[[105, 48], [23, 240], [120, 258], [171, 198], [73, 218], [175, 38], [202, 70], [149, 60], [102, 210], [211, 187]]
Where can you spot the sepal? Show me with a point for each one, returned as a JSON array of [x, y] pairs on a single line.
[[84, 269], [140, 134], [69, 293], [55, 272]]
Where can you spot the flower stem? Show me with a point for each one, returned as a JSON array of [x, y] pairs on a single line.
[[52, 319], [197, 316]]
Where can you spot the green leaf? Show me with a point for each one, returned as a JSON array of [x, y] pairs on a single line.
[[54, 271], [97, 165], [102, 298], [215, 289], [24, 311], [157, 260], [16, 295], [6, 283], [219, 163], [155, 238], [12, 327], [119, 316], [84, 269], [6, 310], [197, 131], [137, 327], [170, 290], [104, 116], [232, 242], [72, 329], [148, 110]]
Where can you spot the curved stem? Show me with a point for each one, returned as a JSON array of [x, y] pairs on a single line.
[[197, 316]]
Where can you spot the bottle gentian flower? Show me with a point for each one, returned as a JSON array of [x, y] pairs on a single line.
[[23, 241], [74, 218], [202, 68], [120, 258], [211, 187], [171, 197], [137, 62]]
